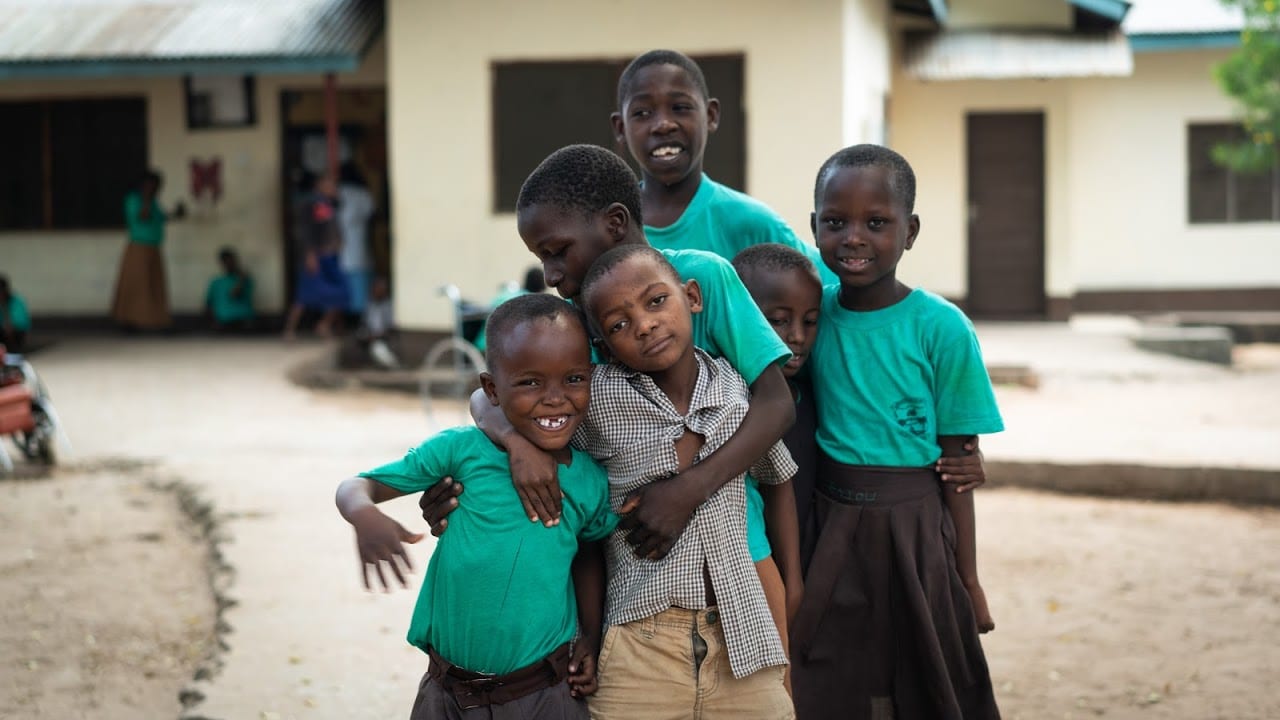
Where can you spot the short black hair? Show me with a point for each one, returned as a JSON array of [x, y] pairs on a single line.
[[151, 176], [612, 259], [519, 310], [587, 178], [902, 179], [773, 257], [227, 252], [534, 280], [661, 57]]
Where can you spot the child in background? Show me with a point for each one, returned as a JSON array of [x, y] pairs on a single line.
[[690, 634], [498, 610], [892, 611], [378, 324], [665, 116], [229, 299], [15, 322]]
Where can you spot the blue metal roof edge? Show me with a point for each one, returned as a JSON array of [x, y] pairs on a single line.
[[177, 67], [1163, 42], [939, 10], [1111, 9]]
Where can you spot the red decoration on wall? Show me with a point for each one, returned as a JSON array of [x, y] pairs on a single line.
[[206, 180]]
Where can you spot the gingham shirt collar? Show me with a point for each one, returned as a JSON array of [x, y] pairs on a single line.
[[631, 427]]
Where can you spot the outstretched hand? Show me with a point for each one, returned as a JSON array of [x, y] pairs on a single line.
[[437, 502], [654, 516], [380, 542]]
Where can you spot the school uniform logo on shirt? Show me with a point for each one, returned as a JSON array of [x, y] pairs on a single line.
[[910, 414]]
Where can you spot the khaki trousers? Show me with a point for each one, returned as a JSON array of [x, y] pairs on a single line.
[[675, 666]]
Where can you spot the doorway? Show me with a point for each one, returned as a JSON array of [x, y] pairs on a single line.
[[1005, 160]]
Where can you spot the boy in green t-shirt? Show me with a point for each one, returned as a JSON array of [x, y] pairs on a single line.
[[498, 609]]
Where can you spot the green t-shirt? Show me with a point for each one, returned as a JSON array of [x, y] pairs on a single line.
[[888, 382], [730, 324], [498, 594], [223, 305], [149, 231], [19, 318], [723, 221]]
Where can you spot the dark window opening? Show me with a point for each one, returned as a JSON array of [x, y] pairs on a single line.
[[69, 163], [1216, 194]]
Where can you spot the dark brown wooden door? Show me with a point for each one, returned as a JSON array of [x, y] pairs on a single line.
[[1006, 215]]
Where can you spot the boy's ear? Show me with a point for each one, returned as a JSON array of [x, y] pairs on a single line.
[[619, 129], [617, 219], [913, 229], [694, 294], [490, 390], [713, 114], [813, 225]]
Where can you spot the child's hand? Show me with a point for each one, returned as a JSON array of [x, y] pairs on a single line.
[[795, 595], [963, 472], [380, 540], [981, 612], [582, 670], [437, 502], [534, 473], [655, 516]]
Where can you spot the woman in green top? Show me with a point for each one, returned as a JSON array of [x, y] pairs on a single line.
[[142, 297]]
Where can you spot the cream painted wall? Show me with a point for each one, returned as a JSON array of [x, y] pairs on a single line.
[[74, 273], [868, 58], [1116, 171], [987, 14], [440, 100]]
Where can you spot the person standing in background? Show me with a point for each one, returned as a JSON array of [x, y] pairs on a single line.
[[15, 322], [141, 299], [355, 207]]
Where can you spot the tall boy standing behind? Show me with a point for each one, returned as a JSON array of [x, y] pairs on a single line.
[[497, 609], [665, 116], [689, 635]]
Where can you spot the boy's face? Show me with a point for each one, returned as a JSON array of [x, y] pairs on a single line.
[[861, 227], [566, 242], [541, 378], [664, 123], [791, 301], [645, 314]]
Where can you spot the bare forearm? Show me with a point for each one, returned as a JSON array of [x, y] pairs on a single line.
[[783, 528], [356, 494], [589, 588], [769, 416], [960, 505]]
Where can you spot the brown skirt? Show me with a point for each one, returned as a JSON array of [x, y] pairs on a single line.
[[886, 629], [142, 297]]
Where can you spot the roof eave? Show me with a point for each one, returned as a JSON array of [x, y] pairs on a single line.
[[1166, 42], [150, 67], [1113, 10]]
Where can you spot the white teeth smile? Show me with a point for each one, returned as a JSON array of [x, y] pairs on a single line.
[[855, 263], [552, 423], [667, 151]]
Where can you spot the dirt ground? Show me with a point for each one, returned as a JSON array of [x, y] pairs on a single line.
[[1104, 608], [105, 604]]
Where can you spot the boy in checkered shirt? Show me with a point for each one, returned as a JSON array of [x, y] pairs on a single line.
[[694, 623]]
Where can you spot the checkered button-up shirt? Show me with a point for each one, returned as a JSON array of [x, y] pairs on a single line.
[[631, 428]]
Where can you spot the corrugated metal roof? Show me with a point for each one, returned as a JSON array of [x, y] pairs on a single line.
[[158, 35], [1167, 17], [1003, 55]]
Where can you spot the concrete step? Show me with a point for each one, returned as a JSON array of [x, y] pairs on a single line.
[[1209, 344]]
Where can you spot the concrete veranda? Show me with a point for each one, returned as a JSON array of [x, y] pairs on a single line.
[[308, 642]]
